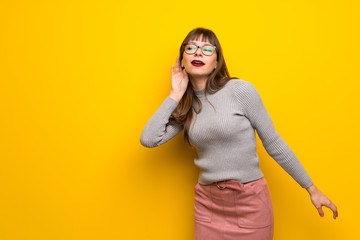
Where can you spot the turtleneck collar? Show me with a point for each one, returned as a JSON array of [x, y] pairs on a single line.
[[200, 92]]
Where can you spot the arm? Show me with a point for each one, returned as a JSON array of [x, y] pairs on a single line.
[[155, 132], [273, 143], [279, 150]]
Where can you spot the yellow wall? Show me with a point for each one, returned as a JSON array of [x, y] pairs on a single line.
[[79, 80]]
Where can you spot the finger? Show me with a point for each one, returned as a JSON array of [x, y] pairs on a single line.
[[177, 65], [172, 69], [321, 212], [333, 208]]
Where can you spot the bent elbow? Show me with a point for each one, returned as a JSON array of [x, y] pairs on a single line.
[[147, 141]]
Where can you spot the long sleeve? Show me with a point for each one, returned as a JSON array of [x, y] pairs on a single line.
[[275, 146], [155, 132]]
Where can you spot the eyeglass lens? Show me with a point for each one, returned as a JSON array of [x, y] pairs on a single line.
[[206, 50]]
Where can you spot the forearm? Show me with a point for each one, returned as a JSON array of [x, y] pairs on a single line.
[[273, 143], [155, 131], [280, 151]]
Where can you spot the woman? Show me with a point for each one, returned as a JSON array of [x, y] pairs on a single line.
[[219, 115]]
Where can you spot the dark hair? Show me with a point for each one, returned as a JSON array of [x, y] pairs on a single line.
[[183, 113]]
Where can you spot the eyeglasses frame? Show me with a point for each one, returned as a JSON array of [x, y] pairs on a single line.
[[197, 47]]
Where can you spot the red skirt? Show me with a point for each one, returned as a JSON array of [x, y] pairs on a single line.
[[230, 210]]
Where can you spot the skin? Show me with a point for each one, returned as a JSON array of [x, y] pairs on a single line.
[[198, 78], [199, 75]]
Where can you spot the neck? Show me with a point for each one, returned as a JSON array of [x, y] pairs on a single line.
[[199, 83]]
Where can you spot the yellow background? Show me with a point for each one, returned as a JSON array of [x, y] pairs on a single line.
[[80, 79]]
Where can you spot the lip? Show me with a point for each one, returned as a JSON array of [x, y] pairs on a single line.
[[197, 63]]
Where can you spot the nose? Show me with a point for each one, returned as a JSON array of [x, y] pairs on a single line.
[[198, 52]]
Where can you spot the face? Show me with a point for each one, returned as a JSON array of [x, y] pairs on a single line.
[[197, 70]]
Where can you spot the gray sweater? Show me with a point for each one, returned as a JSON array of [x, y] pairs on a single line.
[[224, 137]]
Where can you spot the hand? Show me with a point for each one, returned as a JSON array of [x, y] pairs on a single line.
[[319, 199], [179, 81]]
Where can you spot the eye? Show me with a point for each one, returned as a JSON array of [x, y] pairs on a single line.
[[208, 49]]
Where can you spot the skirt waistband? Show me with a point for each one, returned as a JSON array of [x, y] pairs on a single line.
[[231, 183]]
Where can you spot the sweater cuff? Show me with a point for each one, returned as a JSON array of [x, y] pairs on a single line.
[[170, 104]]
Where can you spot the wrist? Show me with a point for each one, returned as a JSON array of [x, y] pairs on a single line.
[[177, 97], [312, 189]]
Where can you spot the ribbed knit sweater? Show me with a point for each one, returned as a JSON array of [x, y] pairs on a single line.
[[223, 134]]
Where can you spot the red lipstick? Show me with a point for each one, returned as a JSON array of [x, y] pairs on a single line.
[[197, 63]]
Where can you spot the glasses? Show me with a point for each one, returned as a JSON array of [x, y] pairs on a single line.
[[207, 50]]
